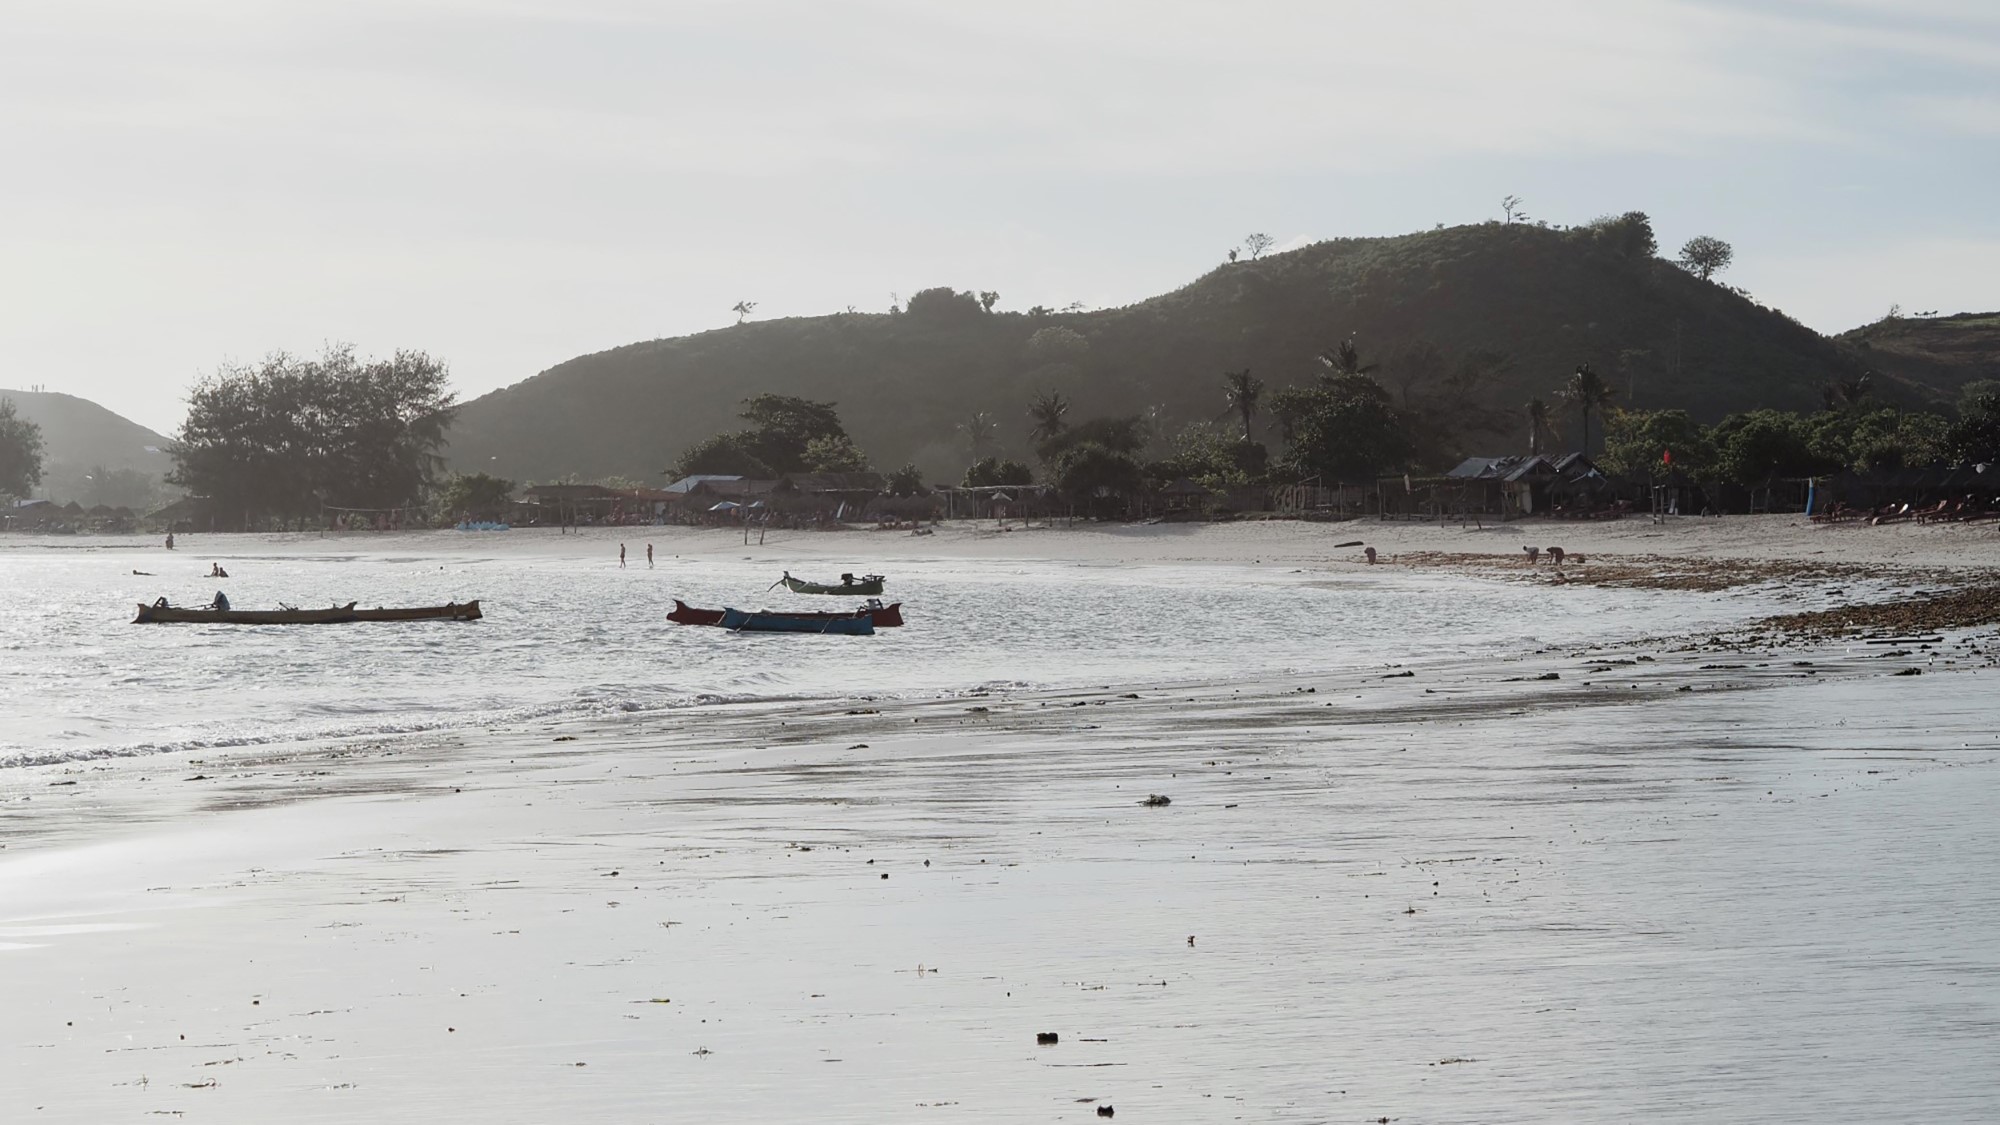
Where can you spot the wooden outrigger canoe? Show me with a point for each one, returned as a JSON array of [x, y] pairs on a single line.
[[737, 620], [884, 616], [868, 585], [158, 613]]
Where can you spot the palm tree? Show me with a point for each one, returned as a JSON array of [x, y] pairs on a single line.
[[1345, 360], [1539, 422], [979, 431], [1047, 413], [1587, 391], [1243, 390]]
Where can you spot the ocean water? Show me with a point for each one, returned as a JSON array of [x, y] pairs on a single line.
[[569, 635]]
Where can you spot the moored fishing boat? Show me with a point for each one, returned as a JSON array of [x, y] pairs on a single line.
[[866, 585], [884, 616], [450, 611], [761, 622], [161, 613]]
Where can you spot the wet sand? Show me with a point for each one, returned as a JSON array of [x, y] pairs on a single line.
[[1642, 883]]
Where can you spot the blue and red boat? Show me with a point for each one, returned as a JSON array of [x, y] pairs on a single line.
[[762, 621]]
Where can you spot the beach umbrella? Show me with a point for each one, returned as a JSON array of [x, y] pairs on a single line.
[[726, 506]]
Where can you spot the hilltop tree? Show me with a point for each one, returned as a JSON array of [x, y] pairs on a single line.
[[20, 452], [1629, 235], [1510, 206], [1256, 245], [1243, 390], [944, 305], [742, 309], [1704, 256], [987, 299], [1588, 392], [291, 436]]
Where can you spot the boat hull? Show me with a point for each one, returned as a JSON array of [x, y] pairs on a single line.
[[869, 587], [738, 621], [885, 617], [336, 615]]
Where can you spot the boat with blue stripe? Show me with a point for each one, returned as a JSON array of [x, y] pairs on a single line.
[[764, 621]]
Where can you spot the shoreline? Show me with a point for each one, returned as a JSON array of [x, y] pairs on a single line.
[[1769, 538]]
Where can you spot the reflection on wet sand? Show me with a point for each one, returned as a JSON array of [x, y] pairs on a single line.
[[1471, 893]]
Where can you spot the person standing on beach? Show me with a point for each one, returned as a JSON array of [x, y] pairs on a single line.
[[649, 556], [170, 540], [621, 556]]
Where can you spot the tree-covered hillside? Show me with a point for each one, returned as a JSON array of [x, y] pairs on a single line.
[[1930, 354], [92, 455], [1521, 304]]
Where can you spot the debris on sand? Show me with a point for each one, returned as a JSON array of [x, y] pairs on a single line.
[[1157, 800], [1046, 1038], [1106, 1111], [1921, 616]]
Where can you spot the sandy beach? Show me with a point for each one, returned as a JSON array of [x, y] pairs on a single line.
[[1671, 878]]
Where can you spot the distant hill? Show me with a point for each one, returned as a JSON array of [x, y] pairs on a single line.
[[1930, 354], [1549, 299], [79, 437]]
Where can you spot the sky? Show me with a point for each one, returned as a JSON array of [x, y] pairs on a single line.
[[511, 183]]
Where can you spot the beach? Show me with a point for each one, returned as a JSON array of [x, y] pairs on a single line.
[[1490, 847]]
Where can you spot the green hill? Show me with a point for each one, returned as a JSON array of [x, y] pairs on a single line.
[[1549, 299], [80, 437], [1930, 354]]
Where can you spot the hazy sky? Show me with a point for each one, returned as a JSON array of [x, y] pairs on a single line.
[[509, 183]]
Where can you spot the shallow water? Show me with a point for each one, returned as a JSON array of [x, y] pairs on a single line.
[[573, 635]]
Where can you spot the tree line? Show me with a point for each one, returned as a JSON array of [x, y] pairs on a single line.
[[1357, 420]]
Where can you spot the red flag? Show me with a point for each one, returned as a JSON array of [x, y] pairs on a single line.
[[1666, 456]]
